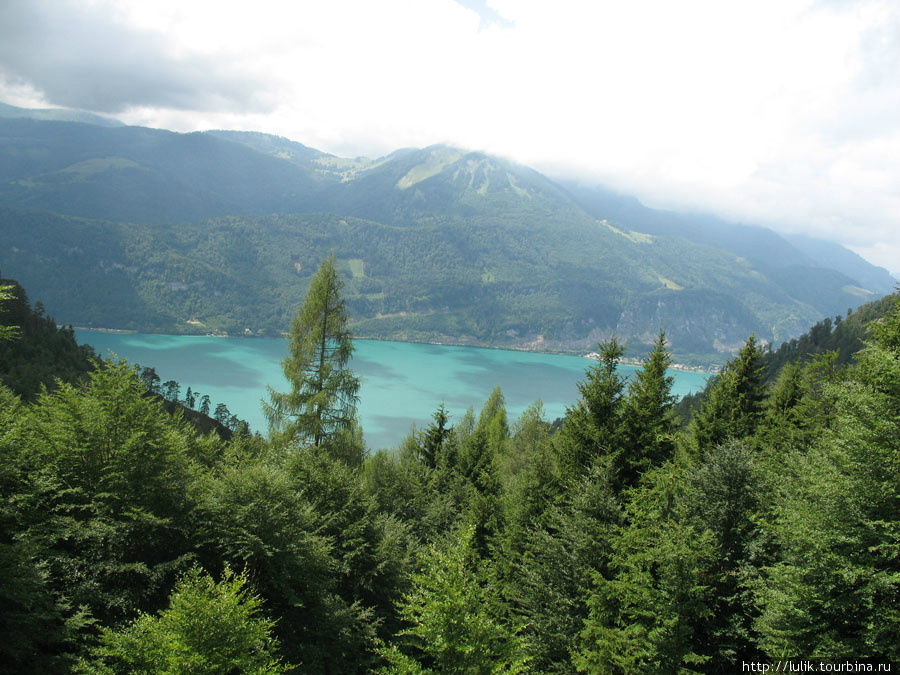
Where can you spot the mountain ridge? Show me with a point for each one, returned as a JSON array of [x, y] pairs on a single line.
[[438, 243]]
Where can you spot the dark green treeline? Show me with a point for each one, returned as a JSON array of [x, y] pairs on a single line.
[[769, 528]]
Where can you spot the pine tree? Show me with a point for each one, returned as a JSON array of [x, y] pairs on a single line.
[[836, 520], [434, 438], [322, 400], [646, 609], [222, 414]]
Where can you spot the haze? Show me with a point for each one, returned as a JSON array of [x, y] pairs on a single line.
[[784, 113]]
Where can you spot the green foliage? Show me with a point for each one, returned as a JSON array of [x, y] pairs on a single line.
[[7, 332], [478, 458], [645, 611], [592, 429], [322, 400], [95, 523], [844, 335], [450, 627], [834, 589], [677, 594], [733, 404], [109, 477], [367, 547], [34, 352], [37, 625], [252, 518], [530, 483], [551, 568], [616, 544], [723, 497], [435, 437], [648, 422], [208, 627]]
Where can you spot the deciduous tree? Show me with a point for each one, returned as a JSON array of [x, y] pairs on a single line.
[[322, 399]]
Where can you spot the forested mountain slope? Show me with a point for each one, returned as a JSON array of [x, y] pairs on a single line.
[[844, 335], [39, 352], [482, 283], [836, 340], [38, 356], [139, 174], [798, 254], [139, 228]]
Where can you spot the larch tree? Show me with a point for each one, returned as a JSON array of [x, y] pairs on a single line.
[[323, 396]]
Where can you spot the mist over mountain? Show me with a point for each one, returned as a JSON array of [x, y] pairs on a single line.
[[58, 115], [756, 243], [131, 227]]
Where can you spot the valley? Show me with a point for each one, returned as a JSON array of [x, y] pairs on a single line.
[[219, 232]]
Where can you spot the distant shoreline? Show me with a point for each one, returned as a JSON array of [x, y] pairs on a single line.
[[592, 356], [122, 331]]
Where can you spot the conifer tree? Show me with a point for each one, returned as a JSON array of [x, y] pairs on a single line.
[[221, 415], [734, 402], [645, 610], [434, 438], [592, 428], [322, 399], [836, 521], [649, 423], [204, 404]]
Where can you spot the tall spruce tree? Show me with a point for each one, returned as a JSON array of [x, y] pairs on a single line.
[[322, 399], [649, 423], [733, 405], [592, 428]]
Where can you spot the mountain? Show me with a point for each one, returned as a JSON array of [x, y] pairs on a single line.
[[760, 244], [221, 231], [835, 256], [843, 335], [58, 115], [139, 174]]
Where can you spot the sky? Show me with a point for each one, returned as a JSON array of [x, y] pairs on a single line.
[[783, 113]]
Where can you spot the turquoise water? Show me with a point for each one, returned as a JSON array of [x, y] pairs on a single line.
[[402, 383]]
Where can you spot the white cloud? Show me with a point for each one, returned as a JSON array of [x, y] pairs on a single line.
[[784, 112]]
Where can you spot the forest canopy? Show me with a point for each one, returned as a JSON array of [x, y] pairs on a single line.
[[623, 541]]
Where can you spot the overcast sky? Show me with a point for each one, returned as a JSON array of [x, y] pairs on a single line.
[[784, 113]]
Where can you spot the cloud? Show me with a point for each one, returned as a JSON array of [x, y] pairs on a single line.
[[84, 56], [781, 112], [488, 15]]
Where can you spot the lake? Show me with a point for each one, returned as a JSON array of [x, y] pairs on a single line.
[[402, 383]]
